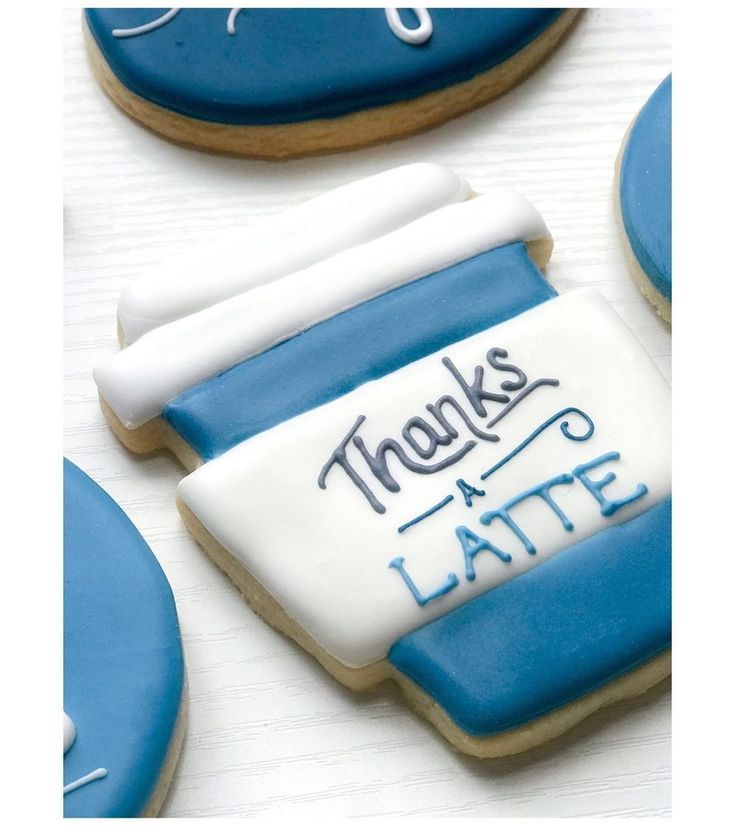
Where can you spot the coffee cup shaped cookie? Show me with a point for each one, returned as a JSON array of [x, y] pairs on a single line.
[[643, 196], [411, 455], [124, 681], [275, 83]]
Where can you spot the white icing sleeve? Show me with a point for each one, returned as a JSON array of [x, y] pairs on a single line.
[[138, 381], [324, 553], [250, 256]]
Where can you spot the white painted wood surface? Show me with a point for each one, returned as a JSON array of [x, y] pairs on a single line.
[[270, 732]]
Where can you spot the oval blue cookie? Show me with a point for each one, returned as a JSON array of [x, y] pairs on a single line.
[[123, 662], [645, 193], [269, 67]]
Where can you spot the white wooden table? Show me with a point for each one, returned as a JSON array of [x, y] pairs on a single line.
[[269, 731]]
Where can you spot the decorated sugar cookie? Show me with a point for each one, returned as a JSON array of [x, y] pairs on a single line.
[[411, 455], [123, 663], [273, 83], [643, 190]]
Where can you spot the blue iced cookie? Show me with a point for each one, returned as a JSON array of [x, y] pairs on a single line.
[[411, 455], [123, 662], [644, 192], [281, 82]]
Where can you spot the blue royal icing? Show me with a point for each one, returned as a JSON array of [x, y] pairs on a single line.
[[435, 508], [472, 544], [563, 427], [542, 490], [123, 662], [372, 341], [590, 614], [595, 487], [645, 188], [359, 345], [468, 490], [285, 66], [422, 600]]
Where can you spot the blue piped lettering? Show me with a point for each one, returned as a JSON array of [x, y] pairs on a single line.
[[595, 487], [422, 600]]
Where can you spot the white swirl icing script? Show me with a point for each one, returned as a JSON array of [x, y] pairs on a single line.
[[413, 36]]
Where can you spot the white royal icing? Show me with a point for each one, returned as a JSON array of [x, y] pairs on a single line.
[[415, 36], [70, 732], [147, 27], [324, 553], [292, 240], [231, 20], [99, 773], [138, 381]]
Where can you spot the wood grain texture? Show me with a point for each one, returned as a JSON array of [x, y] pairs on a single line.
[[269, 732]]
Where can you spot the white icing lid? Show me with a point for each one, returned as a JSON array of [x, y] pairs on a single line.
[[423, 236], [249, 256]]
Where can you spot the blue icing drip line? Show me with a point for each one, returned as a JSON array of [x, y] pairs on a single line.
[[589, 614], [359, 345]]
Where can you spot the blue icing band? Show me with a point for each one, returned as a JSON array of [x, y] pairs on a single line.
[[361, 344], [123, 663], [284, 66], [577, 621], [645, 188]]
